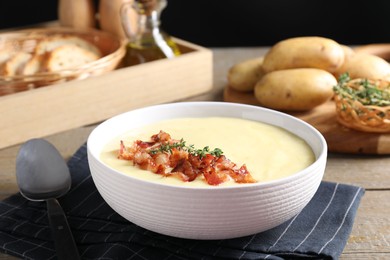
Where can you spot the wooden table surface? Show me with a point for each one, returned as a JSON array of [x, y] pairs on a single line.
[[370, 238]]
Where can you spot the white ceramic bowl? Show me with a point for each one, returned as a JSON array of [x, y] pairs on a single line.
[[210, 212]]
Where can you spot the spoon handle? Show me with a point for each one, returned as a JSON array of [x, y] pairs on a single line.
[[63, 238]]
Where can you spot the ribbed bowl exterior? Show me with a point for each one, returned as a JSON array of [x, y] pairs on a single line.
[[210, 212]]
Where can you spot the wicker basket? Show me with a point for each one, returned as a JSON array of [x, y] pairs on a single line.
[[112, 48], [353, 113]]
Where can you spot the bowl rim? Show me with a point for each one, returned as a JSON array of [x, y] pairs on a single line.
[[322, 156]]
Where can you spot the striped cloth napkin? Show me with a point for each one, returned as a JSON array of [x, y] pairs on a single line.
[[320, 231]]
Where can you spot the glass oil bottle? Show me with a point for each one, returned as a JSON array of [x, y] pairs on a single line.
[[147, 42]]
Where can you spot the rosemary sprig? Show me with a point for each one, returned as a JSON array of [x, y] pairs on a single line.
[[364, 91], [181, 145]]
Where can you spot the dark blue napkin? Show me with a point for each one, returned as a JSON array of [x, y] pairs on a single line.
[[320, 231]]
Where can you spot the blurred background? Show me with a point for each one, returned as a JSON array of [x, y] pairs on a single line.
[[213, 23]]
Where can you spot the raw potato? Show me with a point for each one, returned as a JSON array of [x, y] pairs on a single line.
[[304, 52], [348, 53], [378, 49], [362, 65], [243, 76], [295, 89]]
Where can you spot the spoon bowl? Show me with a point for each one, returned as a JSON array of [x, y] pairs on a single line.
[[42, 174], [41, 171]]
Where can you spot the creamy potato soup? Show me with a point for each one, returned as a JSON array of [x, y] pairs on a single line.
[[268, 152]]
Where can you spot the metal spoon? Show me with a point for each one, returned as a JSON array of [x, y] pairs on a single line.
[[42, 174]]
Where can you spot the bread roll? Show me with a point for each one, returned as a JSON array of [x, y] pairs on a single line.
[[50, 44], [68, 56], [14, 65]]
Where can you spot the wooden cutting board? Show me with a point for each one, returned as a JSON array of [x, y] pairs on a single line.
[[339, 138]]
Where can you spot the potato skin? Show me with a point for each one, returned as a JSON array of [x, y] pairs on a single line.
[[295, 89], [244, 75], [304, 52], [363, 65], [348, 52]]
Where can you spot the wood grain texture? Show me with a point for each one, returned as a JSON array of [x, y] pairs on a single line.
[[370, 235], [339, 138], [371, 232], [49, 110], [369, 171]]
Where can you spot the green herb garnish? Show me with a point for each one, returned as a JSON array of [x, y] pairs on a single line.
[[181, 145], [363, 90]]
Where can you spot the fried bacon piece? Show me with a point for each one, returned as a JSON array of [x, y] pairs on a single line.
[[169, 157]]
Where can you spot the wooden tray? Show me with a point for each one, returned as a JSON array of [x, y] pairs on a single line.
[[48, 110], [339, 138]]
